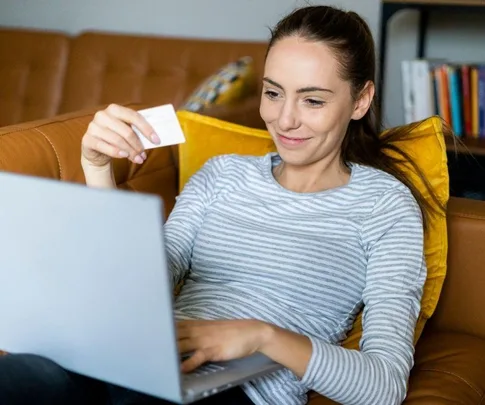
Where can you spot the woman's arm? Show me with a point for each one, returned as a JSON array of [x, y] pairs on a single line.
[[98, 176], [396, 272], [188, 215]]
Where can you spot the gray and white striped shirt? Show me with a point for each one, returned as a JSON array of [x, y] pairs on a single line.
[[249, 248]]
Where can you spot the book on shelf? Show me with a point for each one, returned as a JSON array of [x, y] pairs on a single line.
[[454, 91]]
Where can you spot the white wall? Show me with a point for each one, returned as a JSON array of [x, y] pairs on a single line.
[[230, 19], [456, 37]]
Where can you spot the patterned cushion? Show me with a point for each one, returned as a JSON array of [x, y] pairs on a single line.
[[230, 84]]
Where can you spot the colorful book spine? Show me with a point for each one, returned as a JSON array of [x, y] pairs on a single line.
[[474, 102], [456, 92], [454, 79], [481, 101], [466, 99]]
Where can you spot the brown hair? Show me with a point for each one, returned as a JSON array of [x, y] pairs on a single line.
[[349, 36]]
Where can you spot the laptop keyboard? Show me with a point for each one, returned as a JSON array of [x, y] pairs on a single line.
[[206, 369]]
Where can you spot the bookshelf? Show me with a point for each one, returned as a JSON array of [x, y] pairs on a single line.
[[466, 155], [424, 7], [473, 146]]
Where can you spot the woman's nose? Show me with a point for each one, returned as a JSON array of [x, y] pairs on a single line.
[[288, 117]]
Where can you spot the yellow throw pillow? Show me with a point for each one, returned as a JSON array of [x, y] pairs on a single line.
[[228, 85], [207, 137], [427, 137]]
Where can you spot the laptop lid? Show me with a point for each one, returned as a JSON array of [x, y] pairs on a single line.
[[84, 282]]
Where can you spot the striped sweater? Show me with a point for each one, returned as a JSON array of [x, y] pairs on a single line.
[[309, 262]]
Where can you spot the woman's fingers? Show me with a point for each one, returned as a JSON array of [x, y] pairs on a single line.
[[133, 117], [118, 133], [194, 361], [186, 345], [105, 148], [111, 135], [114, 138]]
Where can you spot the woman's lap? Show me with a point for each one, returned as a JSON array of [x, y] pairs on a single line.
[[28, 379]]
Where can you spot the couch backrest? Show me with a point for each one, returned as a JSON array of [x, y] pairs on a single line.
[[43, 74], [105, 68], [32, 67]]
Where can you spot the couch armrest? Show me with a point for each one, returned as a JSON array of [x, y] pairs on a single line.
[[244, 113], [461, 303], [448, 370]]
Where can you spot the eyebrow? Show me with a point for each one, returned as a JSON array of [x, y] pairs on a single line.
[[302, 90]]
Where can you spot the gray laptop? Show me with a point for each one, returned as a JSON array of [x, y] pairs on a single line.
[[84, 281]]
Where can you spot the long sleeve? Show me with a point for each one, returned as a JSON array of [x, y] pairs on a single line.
[[392, 238], [188, 215]]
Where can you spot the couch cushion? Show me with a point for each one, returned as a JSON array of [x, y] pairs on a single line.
[[449, 369], [116, 68], [207, 137], [32, 67], [230, 84]]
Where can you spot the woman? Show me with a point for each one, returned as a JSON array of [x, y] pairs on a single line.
[[279, 253]]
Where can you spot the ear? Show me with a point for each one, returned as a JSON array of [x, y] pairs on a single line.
[[364, 102]]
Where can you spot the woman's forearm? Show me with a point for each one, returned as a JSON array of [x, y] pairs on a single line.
[[287, 348], [98, 176], [360, 378]]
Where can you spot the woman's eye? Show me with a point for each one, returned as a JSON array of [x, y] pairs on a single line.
[[271, 93], [315, 103]]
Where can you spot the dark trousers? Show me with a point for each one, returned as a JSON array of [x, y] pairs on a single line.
[[33, 380]]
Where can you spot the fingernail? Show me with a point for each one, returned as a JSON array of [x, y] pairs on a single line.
[[155, 138], [138, 159], [143, 155], [123, 154]]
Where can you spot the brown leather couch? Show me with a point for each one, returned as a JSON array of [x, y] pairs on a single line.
[[48, 73], [450, 356]]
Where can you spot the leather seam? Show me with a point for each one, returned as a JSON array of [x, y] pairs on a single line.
[[13, 130], [480, 394], [470, 216], [54, 149]]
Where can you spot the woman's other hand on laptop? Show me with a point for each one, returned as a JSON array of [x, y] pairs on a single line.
[[219, 340], [110, 135]]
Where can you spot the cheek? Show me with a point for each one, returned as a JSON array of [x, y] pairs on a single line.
[[268, 110], [317, 120], [331, 118]]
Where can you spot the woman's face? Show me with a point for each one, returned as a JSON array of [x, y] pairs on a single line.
[[305, 104]]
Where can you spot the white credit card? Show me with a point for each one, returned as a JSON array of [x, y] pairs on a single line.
[[165, 122]]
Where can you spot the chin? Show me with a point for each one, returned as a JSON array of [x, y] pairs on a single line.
[[294, 157]]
